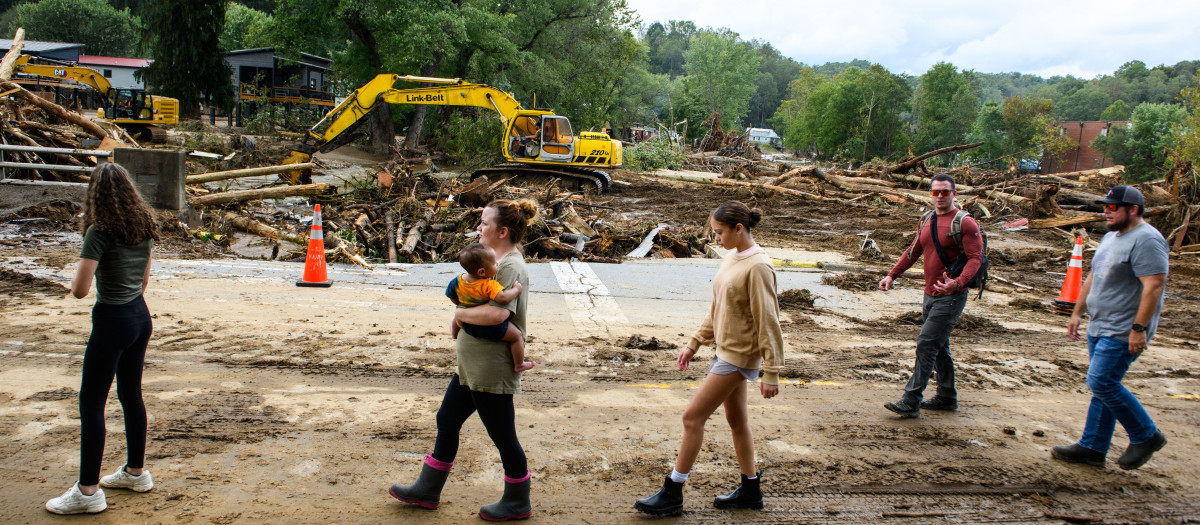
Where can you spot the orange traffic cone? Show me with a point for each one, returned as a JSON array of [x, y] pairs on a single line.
[[1074, 280], [314, 263]]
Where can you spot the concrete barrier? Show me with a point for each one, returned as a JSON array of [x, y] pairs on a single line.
[[158, 175]]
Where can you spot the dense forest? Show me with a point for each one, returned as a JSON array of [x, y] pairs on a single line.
[[597, 62]]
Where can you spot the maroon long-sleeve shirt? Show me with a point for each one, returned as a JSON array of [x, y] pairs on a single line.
[[923, 246]]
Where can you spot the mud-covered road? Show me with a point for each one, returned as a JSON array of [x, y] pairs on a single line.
[[270, 403]]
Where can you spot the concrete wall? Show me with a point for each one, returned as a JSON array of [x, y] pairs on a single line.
[[158, 175]]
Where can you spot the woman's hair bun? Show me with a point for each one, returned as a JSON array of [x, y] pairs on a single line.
[[528, 209], [755, 216]]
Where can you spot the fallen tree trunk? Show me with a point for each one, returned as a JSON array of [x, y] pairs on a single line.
[[227, 197], [249, 225], [14, 52], [905, 165], [414, 235], [249, 172]]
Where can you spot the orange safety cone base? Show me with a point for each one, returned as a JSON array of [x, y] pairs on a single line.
[[307, 284], [1063, 307]]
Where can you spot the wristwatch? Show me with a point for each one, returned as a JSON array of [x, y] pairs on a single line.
[[1138, 328]]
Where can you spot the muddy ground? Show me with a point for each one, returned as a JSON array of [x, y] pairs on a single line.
[[274, 404]]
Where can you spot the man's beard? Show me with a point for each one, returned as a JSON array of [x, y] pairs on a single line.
[[1119, 225]]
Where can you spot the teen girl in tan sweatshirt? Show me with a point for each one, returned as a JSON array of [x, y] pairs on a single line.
[[743, 321]]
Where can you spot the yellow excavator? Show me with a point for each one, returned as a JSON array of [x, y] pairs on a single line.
[[538, 145], [136, 110]]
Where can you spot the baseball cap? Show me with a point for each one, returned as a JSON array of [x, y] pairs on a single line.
[[1124, 195]]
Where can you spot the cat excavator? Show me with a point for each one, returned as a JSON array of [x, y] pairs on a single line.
[[538, 145], [136, 110]]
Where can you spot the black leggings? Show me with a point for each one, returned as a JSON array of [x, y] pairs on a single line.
[[120, 333], [498, 417]]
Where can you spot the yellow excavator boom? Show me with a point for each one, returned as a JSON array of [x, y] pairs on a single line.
[[155, 111]]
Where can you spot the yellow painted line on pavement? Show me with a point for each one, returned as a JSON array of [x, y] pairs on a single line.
[[1185, 396]]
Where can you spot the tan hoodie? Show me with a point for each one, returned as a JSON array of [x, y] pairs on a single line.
[[744, 317]]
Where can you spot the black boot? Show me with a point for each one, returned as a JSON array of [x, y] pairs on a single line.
[[668, 499], [514, 505], [427, 490], [748, 495]]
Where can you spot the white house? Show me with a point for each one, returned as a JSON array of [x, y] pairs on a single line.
[[762, 135], [118, 70]]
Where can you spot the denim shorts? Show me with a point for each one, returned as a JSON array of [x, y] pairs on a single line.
[[723, 368]]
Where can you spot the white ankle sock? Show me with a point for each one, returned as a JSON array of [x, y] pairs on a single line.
[[677, 477]]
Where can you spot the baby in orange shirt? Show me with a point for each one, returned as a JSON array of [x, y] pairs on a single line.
[[477, 287]]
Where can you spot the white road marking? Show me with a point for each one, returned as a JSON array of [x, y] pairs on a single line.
[[591, 305]]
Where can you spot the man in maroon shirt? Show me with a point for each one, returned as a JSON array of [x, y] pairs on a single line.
[[945, 297]]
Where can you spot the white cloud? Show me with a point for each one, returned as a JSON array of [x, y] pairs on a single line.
[[1082, 38]]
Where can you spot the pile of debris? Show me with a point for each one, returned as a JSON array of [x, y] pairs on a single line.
[[410, 217]]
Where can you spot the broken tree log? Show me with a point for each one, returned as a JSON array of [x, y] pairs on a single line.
[[389, 218], [14, 52], [249, 225], [414, 235], [905, 165], [226, 197], [249, 172]]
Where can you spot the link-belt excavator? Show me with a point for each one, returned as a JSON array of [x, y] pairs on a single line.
[[136, 110], [538, 145]]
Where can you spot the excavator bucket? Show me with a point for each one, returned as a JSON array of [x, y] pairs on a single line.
[[294, 177]]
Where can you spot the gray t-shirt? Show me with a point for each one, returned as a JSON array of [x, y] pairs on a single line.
[[1116, 291], [487, 366]]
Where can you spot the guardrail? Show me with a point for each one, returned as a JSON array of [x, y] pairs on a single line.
[[4, 164]]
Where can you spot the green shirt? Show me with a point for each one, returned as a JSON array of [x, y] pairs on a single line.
[[121, 269], [487, 366]]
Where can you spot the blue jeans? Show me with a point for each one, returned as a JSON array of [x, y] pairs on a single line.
[[1108, 360]]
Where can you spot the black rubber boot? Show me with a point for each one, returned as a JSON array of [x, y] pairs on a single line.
[[514, 505], [426, 491], [748, 495], [668, 499]]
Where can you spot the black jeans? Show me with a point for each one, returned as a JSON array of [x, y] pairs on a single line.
[[117, 347], [498, 417], [941, 313]]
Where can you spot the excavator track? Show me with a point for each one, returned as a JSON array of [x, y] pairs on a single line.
[[572, 178]]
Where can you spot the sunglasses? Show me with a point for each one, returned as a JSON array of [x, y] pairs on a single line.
[[943, 193], [1113, 207]]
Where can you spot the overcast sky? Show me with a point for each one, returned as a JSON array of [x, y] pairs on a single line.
[[1044, 37]]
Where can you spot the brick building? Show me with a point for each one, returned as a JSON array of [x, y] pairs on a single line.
[[1082, 156]]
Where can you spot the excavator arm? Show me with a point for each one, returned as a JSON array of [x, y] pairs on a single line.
[[336, 128], [80, 74]]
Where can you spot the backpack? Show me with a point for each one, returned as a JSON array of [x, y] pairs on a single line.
[[956, 267]]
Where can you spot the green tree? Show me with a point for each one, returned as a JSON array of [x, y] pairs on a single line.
[[1086, 103], [102, 29], [1186, 134], [245, 28], [1117, 111], [945, 105], [855, 115], [721, 70], [182, 38], [1142, 147]]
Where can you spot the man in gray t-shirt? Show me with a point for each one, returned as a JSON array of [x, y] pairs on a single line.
[[1123, 296]]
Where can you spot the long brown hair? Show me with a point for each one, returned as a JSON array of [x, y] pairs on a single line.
[[514, 215], [115, 208]]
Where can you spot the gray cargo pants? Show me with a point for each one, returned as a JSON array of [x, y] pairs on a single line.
[[941, 313]]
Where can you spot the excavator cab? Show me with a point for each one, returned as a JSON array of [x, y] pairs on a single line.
[[524, 137]]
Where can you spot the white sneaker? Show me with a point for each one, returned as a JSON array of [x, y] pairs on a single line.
[[124, 480], [74, 502]]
